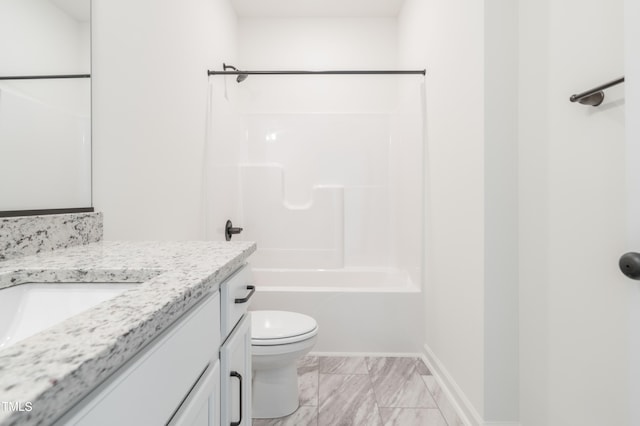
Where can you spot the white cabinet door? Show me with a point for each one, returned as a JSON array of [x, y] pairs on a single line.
[[202, 406], [235, 376]]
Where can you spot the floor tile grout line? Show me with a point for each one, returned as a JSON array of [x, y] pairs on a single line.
[[417, 373], [414, 373], [375, 394], [318, 395], [375, 398], [379, 414], [379, 417]]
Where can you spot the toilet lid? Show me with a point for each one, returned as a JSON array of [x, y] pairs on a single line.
[[278, 325]]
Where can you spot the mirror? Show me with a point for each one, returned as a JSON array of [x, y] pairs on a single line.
[[45, 105]]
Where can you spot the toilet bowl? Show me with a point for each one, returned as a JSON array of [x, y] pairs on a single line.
[[278, 340]]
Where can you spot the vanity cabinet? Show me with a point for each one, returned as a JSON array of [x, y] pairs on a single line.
[[196, 373], [174, 379]]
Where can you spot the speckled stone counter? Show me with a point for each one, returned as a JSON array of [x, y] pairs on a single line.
[[25, 235], [54, 369]]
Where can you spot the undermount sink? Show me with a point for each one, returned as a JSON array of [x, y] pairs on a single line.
[[29, 308]]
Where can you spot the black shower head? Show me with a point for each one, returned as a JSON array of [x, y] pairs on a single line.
[[240, 78]]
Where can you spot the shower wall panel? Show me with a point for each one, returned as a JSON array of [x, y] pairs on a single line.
[[335, 188], [307, 235], [318, 184]]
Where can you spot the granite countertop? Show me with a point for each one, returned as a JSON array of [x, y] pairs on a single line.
[[55, 368]]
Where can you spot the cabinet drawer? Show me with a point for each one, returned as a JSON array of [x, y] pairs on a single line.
[[236, 292], [148, 389]]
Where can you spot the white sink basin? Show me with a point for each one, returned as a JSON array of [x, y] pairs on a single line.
[[27, 309]]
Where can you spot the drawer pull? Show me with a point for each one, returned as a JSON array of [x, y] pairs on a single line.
[[239, 377], [252, 289]]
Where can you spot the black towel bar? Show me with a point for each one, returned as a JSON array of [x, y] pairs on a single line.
[[595, 96]]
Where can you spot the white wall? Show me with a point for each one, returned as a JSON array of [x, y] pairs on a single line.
[[632, 106], [569, 214], [317, 43], [501, 362], [149, 104], [534, 212], [447, 38], [574, 330]]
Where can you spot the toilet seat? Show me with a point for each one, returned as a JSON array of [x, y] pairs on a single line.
[[271, 328], [285, 340]]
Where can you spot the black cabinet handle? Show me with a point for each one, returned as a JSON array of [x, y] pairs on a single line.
[[239, 377], [252, 289]]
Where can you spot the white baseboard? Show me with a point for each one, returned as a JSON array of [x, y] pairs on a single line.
[[464, 408]]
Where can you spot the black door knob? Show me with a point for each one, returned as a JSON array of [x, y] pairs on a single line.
[[630, 265]]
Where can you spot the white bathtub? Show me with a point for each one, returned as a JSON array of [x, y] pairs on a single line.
[[340, 280], [358, 310]]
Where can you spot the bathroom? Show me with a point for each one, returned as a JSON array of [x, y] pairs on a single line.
[[520, 312]]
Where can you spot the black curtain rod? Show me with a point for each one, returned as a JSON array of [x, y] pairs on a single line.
[[44, 77], [595, 96], [213, 72]]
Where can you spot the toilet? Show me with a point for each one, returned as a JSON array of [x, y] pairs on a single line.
[[278, 340]]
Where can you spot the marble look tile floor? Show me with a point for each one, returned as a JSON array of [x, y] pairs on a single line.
[[367, 391]]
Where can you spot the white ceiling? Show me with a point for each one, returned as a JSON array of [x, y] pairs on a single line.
[[80, 10], [317, 8]]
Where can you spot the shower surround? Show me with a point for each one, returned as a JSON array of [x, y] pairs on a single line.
[[325, 173]]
